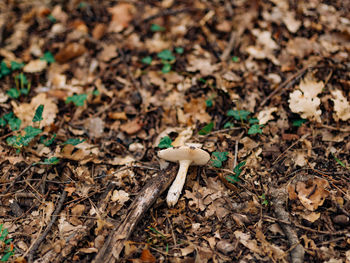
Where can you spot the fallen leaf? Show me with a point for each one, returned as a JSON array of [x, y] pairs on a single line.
[[35, 66], [266, 115], [304, 100], [147, 257], [341, 106], [69, 52], [131, 127], [312, 193], [120, 196], [122, 14], [26, 111]]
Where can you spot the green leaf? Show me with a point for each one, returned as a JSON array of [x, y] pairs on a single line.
[[179, 50], [38, 113], [165, 142], [166, 54], [13, 93], [22, 79], [48, 57], [78, 100], [96, 92], [74, 141], [218, 158], [228, 125], [51, 18], [50, 161], [253, 121], [206, 129], [24, 91], [14, 123], [9, 116], [238, 114], [338, 161], [31, 131], [256, 128], [298, 123], [7, 256], [14, 141], [47, 142], [4, 70], [235, 59], [238, 169], [15, 65], [2, 122], [209, 103], [166, 68], [147, 60], [157, 28]]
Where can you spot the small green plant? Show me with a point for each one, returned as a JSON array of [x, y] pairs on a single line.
[[6, 245], [16, 65], [47, 142], [243, 117], [254, 129], [51, 18], [237, 172], [264, 200], [147, 60], [299, 122], [235, 59], [339, 161], [48, 57], [22, 87], [165, 142], [166, 57], [179, 50], [157, 28], [78, 100], [4, 69], [74, 141], [11, 120], [206, 129], [49, 161], [218, 158], [19, 141]]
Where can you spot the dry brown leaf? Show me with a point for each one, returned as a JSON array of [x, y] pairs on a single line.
[[312, 193], [204, 65], [34, 66], [122, 14], [70, 51], [311, 217], [341, 106], [245, 240], [26, 111], [120, 196], [304, 100], [108, 52], [266, 115], [99, 31], [132, 127], [147, 257]]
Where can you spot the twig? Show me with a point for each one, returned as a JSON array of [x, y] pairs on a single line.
[[231, 44], [16, 178], [114, 244], [169, 12], [297, 253], [286, 84], [48, 228], [282, 154], [236, 154]]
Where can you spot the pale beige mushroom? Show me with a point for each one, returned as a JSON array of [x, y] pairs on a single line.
[[186, 156]]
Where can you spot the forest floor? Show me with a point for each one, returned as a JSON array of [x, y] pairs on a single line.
[[90, 91]]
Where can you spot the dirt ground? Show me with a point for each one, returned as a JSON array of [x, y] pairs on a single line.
[[91, 91]]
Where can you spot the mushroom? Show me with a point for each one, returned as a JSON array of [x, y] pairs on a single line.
[[186, 156]]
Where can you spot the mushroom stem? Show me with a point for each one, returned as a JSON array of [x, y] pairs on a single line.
[[176, 188]]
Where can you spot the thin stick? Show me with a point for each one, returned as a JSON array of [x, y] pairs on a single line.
[[231, 43], [114, 244], [169, 12], [16, 178], [286, 84], [48, 228]]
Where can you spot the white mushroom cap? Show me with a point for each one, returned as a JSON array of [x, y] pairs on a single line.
[[196, 155]]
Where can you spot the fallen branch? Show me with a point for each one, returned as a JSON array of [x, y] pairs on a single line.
[[114, 244], [37, 243], [297, 253]]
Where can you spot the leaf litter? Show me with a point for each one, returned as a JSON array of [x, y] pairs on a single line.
[[262, 86]]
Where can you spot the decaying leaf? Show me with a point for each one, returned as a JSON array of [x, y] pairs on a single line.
[[266, 115], [312, 193], [35, 66], [120, 196], [26, 111], [304, 100], [341, 106]]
